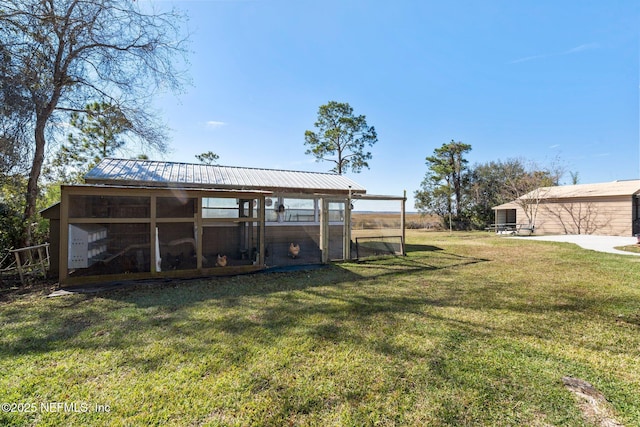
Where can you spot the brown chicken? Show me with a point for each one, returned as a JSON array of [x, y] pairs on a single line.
[[294, 250], [221, 261]]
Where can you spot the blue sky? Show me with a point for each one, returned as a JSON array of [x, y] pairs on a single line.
[[538, 80]]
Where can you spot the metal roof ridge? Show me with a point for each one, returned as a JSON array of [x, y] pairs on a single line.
[[221, 166]]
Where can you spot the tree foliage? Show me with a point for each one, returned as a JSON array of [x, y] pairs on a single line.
[[11, 204], [341, 138], [208, 158], [487, 189], [15, 117], [470, 193], [62, 54], [442, 190], [11, 208], [97, 133]]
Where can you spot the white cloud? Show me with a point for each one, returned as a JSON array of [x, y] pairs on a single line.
[[581, 48], [577, 49], [527, 58], [214, 124]]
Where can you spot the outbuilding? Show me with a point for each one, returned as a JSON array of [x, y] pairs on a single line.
[[141, 218], [610, 208]]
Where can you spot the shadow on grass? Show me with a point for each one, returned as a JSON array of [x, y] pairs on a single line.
[[114, 318], [429, 309], [419, 259], [421, 248], [270, 305], [431, 317]]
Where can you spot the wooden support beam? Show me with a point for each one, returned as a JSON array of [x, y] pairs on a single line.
[[403, 221], [324, 230], [346, 231]]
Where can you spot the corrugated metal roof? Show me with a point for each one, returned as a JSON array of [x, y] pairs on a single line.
[[603, 189], [160, 173]]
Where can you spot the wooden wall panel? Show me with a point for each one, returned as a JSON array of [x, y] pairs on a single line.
[[604, 216]]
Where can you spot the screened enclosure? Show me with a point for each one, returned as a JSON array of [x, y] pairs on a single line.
[[294, 230], [144, 219], [154, 231]]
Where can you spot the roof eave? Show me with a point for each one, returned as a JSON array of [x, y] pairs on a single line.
[[223, 187]]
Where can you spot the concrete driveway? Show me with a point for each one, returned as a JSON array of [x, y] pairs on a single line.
[[595, 243]]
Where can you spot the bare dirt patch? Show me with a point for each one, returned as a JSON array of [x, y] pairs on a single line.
[[593, 404]]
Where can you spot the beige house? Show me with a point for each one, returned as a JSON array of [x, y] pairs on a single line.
[[609, 208]]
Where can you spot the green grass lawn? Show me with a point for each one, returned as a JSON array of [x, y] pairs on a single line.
[[469, 329], [631, 248]]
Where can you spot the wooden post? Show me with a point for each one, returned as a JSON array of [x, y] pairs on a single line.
[[199, 231], [346, 245], [64, 234], [403, 219], [19, 266], [324, 230], [345, 232], [262, 215], [48, 256], [41, 262], [153, 235]]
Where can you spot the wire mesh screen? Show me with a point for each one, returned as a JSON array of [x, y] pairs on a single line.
[[378, 245]]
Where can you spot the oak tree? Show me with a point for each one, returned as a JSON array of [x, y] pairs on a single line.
[[63, 54]]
